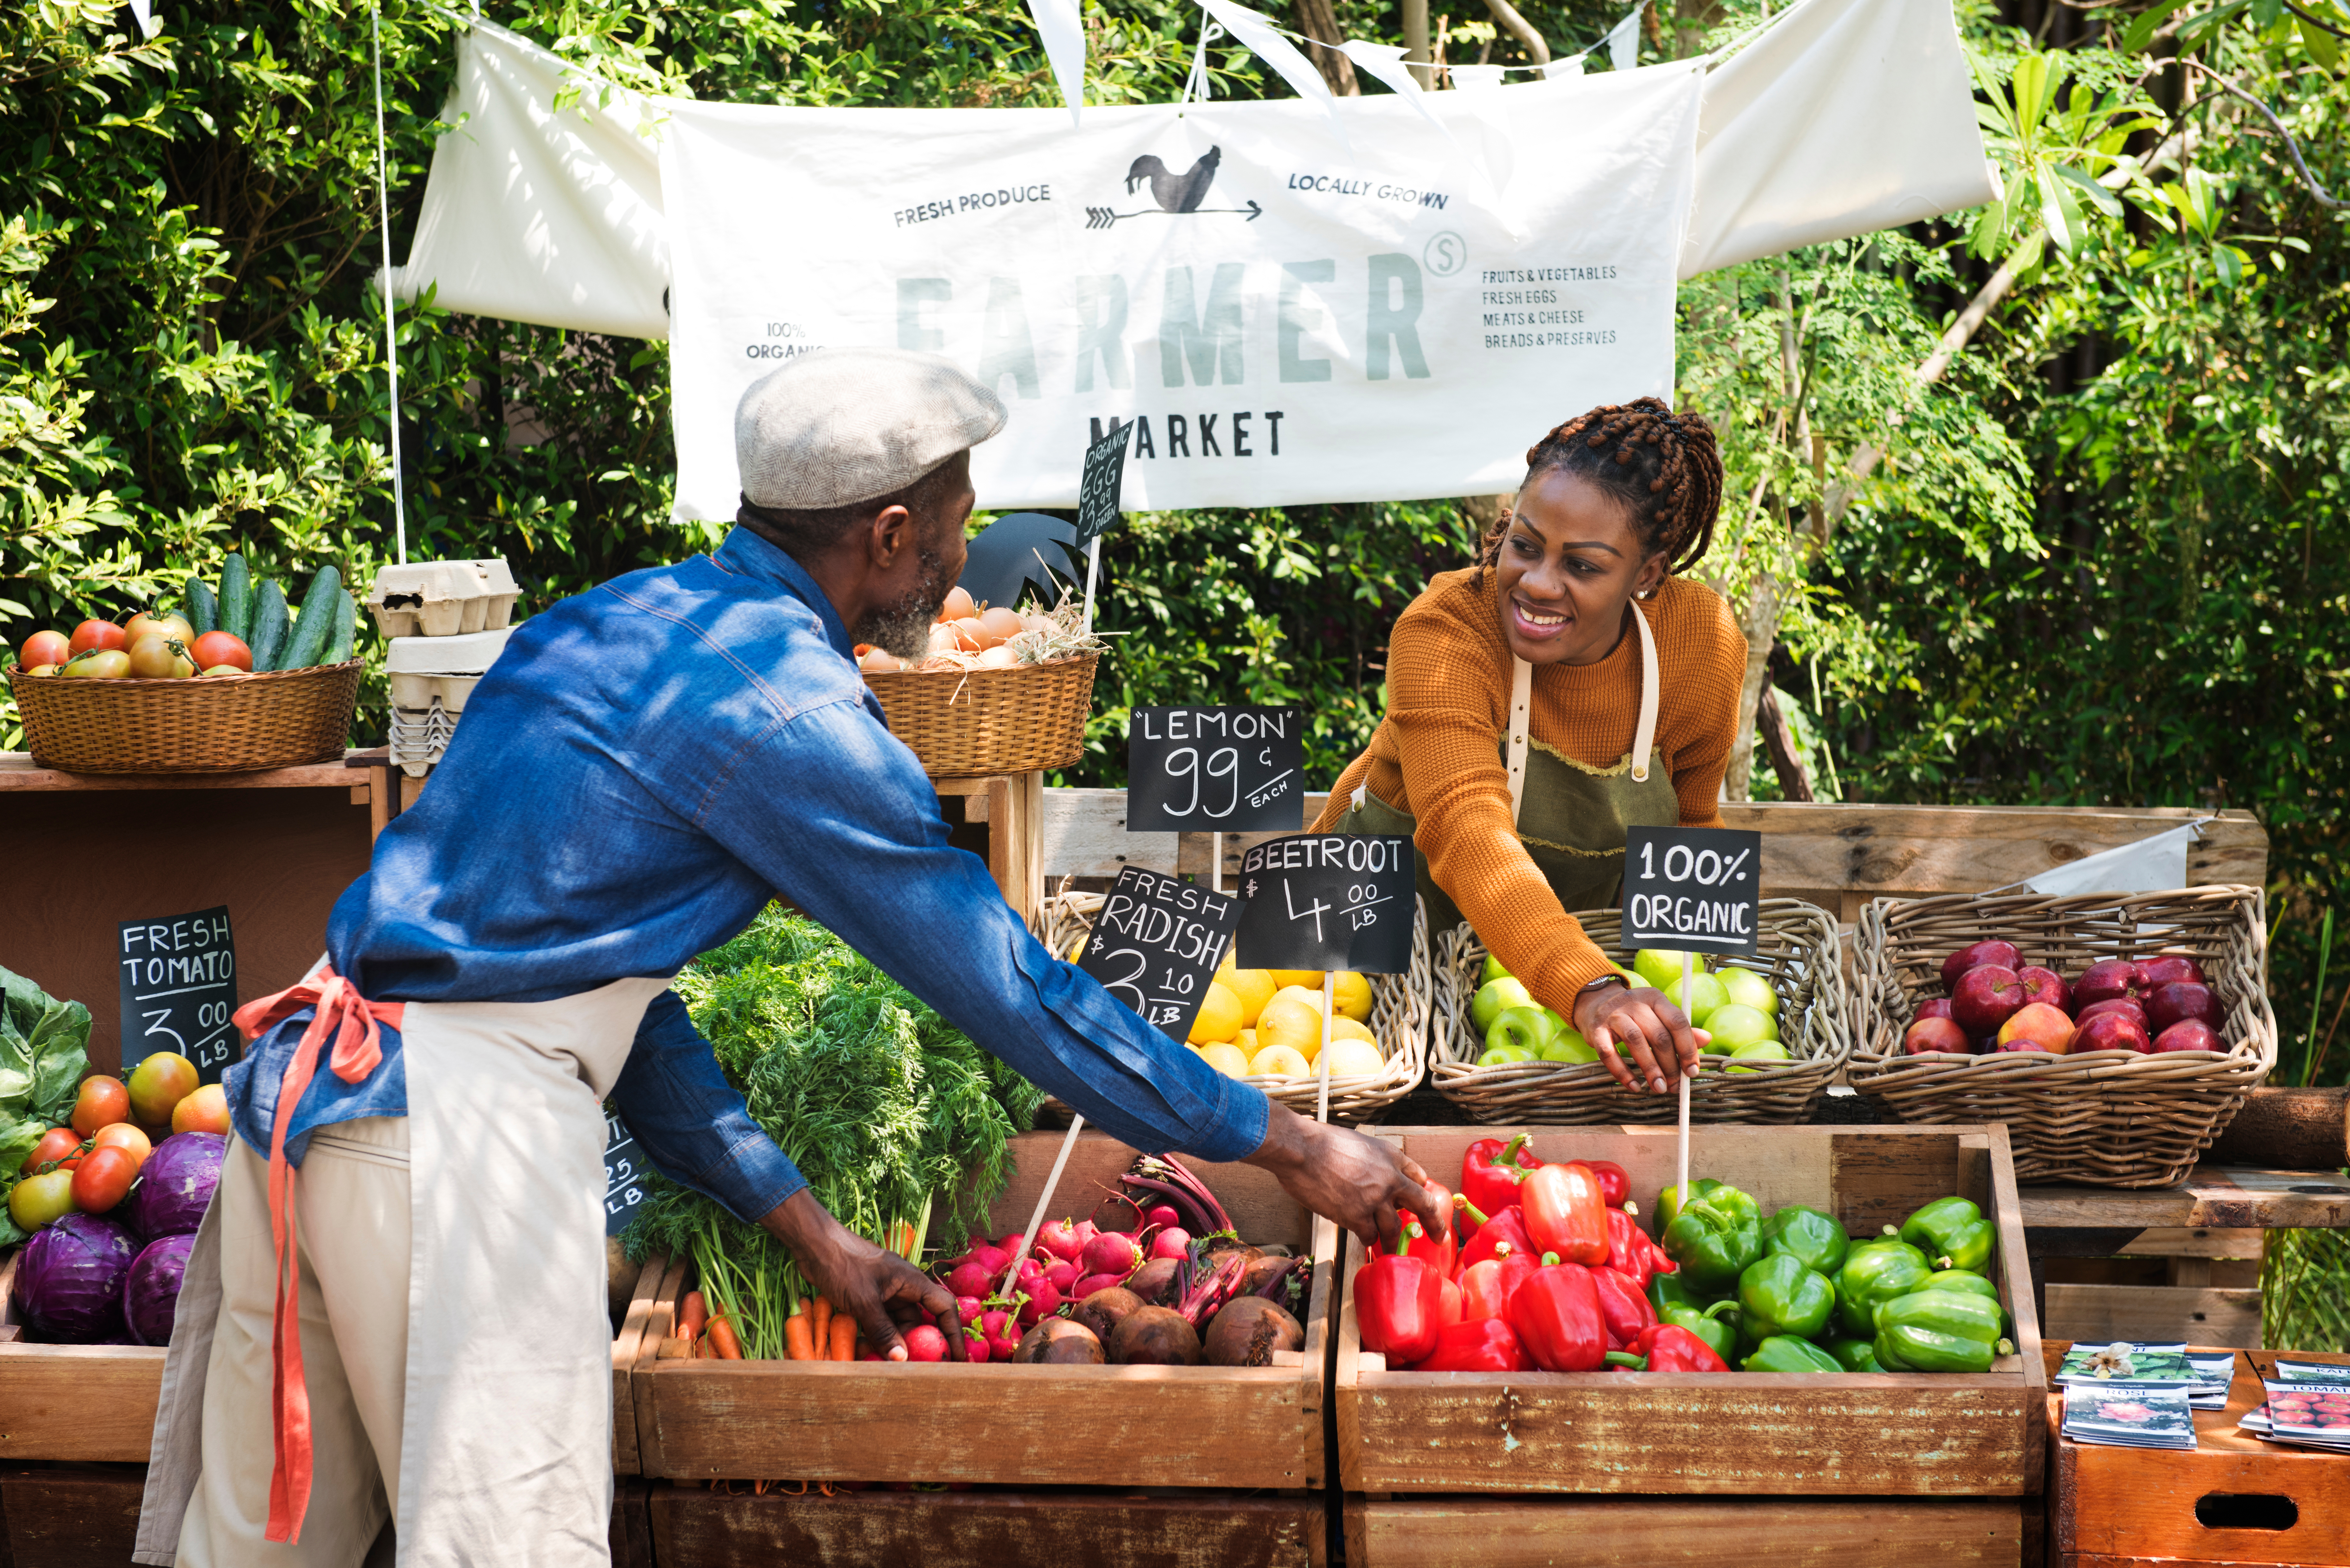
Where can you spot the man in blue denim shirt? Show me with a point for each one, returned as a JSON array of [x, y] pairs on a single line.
[[650, 763]]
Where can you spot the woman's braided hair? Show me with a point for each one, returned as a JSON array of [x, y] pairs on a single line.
[[1662, 466]]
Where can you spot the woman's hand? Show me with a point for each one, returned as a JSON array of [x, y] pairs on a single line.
[[871, 1283], [1649, 1025], [1356, 1183]]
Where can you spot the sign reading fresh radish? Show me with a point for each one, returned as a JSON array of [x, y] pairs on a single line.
[[1156, 945]]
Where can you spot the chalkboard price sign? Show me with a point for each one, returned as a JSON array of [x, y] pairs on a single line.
[[1156, 944], [624, 1174], [1692, 889], [1215, 770], [1328, 900], [1098, 486], [179, 990]]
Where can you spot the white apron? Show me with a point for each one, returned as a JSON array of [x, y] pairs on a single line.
[[505, 1428]]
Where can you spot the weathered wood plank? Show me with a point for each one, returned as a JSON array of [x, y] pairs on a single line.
[[1691, 1532], [80, 1402], [2289, 1129], [2215, 1198], [81, 1516], [986, 1529], [2193, 1241], [18, 772], [2099, 1314], [1085, 836]]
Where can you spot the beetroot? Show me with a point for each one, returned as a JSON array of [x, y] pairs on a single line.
[[1059, 1238], [1104, 1310], [1003, 1334], [1093, 1282], [968, 1278], [1155, 1282], [1062, 1277], [1262, 1272], [1112, 1253], [1154, 1337], [1171, 1242], [1248, 1330], [1043, 1302], [1058, 1342], [924, 1343], [1162, 1217]]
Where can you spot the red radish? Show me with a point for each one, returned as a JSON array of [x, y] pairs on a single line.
[[988, 1256], [870, 1355], [1011, 1244], [967, 1308], [1043, 1302], [1002, 1336], [1170, 1242], [1059, 1237], [1162, 1217], [975, 1346], [1093, 1282], [1032, 1274], [924, 1343], [1112, 1253], [1061, 1276], [968, 1278]]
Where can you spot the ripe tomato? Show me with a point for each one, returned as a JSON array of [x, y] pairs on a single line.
[[206, 1110], [215, 648], [57, 1143], [44, 647], [38, 1199], [105, 664], [102, 1179], [158, 1082], [147, 623], [93, 634], [158, 657], [103, 1101], [126, 1137]]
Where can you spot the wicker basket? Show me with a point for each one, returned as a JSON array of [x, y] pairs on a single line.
[[965, 722], [2104, 1118], [1797, 950], [206, 724], [1400, 1012]]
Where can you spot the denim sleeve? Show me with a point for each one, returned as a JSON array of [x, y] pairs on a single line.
[[690, 1121], [838, 816]]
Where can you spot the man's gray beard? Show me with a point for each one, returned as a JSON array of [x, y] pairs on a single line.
[[903, 628]]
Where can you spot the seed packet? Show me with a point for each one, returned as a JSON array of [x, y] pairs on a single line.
[[2314, 1414], [2128, 1415], [2124, 1361], [2308, 1372], [2214, 1370]]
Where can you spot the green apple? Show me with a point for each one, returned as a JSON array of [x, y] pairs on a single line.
[[1656, 967], [1558, 1020], [1705, 994], [1493, 971], [1504, 1056], [1566, 1045], [1526, 1029], [1497, 995], [1762, 1051], [1749, 988], [1734, 1025]]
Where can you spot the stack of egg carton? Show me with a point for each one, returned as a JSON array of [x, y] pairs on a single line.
[[446, 621]]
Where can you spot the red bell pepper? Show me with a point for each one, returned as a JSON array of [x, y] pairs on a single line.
[[1491, 1171], [1670, 1347], [1627, 1312], [1559, 1321], [1436, 1252], [1488, 1344], [1660, 1260], [1448, 1309], [1628, 1251], [1564, 1213], [1398, 1306], [1503, 1236], [1486, 1287], [1615, 1183]]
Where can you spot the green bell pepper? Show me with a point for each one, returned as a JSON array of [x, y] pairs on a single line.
[[1785, 1352], [1704, 1319], [1669, 1201], [1854, 1354], [1810, 1236], [1778, 1296], [1872, 1272], [1714, 1236], [1953, 1233], [1966, 1284], [1938, 1331]]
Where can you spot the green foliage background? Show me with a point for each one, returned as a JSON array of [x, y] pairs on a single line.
[[2103, 561]]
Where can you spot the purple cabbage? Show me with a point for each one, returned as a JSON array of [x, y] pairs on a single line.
[[152, 1294], [175, 1184], [69, 1279]]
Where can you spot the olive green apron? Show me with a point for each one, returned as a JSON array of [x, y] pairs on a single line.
[[1572, 817]]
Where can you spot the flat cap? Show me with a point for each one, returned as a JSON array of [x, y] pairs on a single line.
[[843, 425]]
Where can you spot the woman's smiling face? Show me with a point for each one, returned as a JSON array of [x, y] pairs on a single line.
[[1567, 569]]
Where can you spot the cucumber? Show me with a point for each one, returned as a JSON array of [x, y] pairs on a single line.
[[269, 626], [203, 610], [317, 618], [236, 600], [338, 642]]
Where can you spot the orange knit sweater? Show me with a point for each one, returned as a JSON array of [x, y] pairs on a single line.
[[1437, 753]]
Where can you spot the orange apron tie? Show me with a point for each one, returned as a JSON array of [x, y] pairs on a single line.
[[358, 1049]]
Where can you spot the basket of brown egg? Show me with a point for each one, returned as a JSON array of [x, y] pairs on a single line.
[[999, 691]]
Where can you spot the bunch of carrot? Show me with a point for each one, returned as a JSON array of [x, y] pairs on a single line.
[[812, 1325]]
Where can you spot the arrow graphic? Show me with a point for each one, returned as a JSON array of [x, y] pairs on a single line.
[[1102, 217]]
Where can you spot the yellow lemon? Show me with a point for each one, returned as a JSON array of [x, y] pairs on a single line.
[[1254, 987], [1279, 1062], [1226, 965], [1311, 979], [1076, 951], [1347, 1029], [1247, 1041], [1225, 1059], [1312, 999], [1350, 995], [1219, 1019], [1351, 1058], [1289, 1021]]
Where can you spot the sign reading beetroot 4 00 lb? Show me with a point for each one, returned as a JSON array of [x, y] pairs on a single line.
[[1328, 901]]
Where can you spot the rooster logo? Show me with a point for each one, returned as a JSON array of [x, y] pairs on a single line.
[[1177, 195]]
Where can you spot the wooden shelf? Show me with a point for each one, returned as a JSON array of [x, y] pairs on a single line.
[[2216, 1198], [17, 771]]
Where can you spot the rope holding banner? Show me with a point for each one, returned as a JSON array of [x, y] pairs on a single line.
[[391, 325]]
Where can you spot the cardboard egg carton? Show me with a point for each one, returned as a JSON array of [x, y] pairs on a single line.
[[442, 670], [419, 736], [442, 598]]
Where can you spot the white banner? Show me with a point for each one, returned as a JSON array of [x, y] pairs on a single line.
[[1284, 316]]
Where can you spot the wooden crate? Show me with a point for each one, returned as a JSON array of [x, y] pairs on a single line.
[[1887, 1435], [1239, 1427], [96, 1403], [2108, 1507], [696, 1527], [1692, 1531]]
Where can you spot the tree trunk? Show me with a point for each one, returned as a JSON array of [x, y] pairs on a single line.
[[1318, 22], [1758, 617], [1778, 741]]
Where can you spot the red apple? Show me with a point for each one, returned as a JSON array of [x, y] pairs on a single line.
[[2190, 1035], [1931, 1035], [2109, 979], [2179, 1002], [1976, 955], [2046, 985], [2036, 1026], [2128, 1006], [2168, 968], [1986, 997], [1935, 1007], [2111, 1032]]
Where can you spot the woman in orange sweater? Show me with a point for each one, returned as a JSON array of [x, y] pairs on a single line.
[[1569, 686]]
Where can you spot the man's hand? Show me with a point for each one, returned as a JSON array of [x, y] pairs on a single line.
[[870, 1282], [1355, 1182], [1650, 1027]]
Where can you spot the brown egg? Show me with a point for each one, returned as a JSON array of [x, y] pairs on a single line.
[[1000, 625], [998, 658], [877, 660], [968, 634], [958, 605]]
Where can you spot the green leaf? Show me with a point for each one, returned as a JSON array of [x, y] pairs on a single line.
[[2142, 31], [2061, 212], [2035, 85], [60, 1056], [2230, 263], [2107, 202], [2323, 47]]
